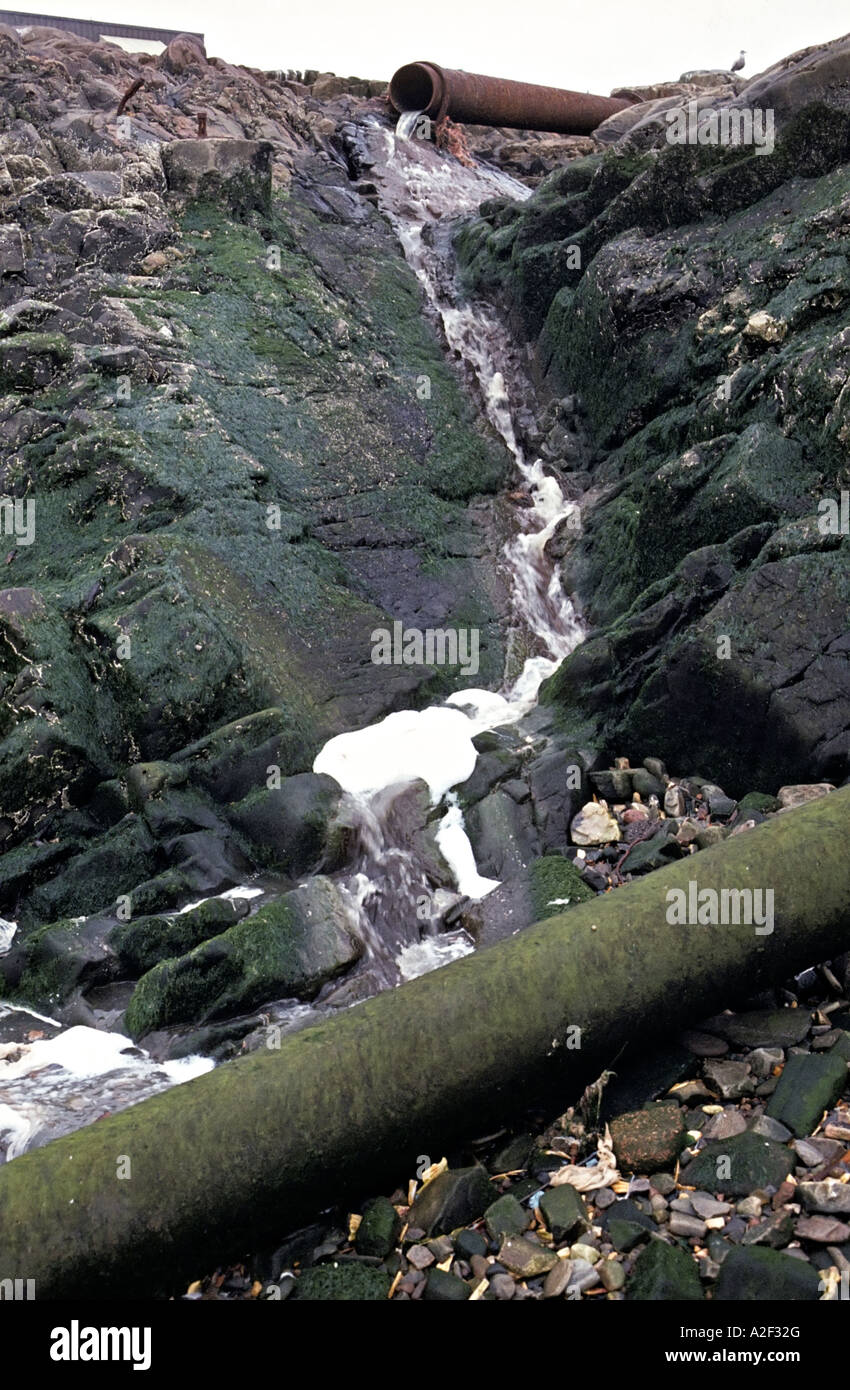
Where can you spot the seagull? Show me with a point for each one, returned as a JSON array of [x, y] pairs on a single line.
[[739, 61]]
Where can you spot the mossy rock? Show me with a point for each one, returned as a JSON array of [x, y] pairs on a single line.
[[289, 826], [342, 1283], [288, 949], [556, 883], [144, 942]]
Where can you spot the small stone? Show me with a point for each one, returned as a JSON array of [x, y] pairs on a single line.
[[612, 1274], [505, 1218], [749, 1207], [556, 1281], [711, 835], [564, 1211], [808, 1152], [810, 1084], [725, 1125], [581, 1251], [740, 1164], [502, 1286], [830, 1196], [775, 1230], [691, 1227], [763, 325], [692, 1093], [645, 1140], [452, 1199], [799, 794], [762, 1027], [379, 1229], [526, 1258], [443, 1287], [826, 1230], [731, 1079], [770, 1129], [763, 1059], [707, 1206], [604, 1197], [594, 825], [469, 1243], [583, 1275], [153, 262], [419, 1256], [664, 1184]]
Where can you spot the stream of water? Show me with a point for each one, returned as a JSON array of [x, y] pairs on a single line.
[[60, 1079]]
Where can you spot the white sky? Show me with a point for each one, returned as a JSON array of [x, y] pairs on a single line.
[[589, 46]]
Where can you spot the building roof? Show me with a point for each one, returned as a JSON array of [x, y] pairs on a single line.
[[91, 28]]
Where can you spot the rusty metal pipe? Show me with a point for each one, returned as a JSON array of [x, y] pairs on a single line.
[[466, 96]]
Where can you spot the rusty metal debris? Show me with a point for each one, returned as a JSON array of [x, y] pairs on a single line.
[[477, 100], [130, 92]]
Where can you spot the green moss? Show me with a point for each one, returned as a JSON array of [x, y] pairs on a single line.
[[555, 882]]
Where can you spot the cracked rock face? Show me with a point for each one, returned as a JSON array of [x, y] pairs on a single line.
[[697, 298]]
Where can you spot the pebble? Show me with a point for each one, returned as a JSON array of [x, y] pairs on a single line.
[[689, 1226], [604, 1198], [731, 1079], [556, 1281], [771, 1129], [749, 1207], [503, 1286], [581, 1251], [762, 1060], [808, 1153], [707, 1206], [664, 1184], [420, 1256], [612, 1274], [583, 1276], [725, 1125]]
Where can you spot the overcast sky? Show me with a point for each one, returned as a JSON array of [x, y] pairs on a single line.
[[592, 46]]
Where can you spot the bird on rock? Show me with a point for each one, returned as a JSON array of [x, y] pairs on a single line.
[[739, 61]]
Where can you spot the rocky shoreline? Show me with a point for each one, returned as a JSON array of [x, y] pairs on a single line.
[[729, 1183], [249, 444]]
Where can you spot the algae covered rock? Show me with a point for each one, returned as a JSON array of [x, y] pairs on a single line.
[[664, 1272], [289, 948], [237, 172], [289, 825], [144, 942]]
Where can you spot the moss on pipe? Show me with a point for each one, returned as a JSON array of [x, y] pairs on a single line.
[[230, 1161]]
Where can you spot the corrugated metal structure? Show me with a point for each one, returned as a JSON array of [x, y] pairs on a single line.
[[92, 28]]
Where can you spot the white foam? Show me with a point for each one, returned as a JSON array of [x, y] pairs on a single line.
[[432, 745], [457, 852], [7, 931], [230, 895], [421, 957], [89, 1052]]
